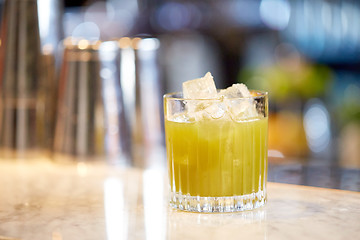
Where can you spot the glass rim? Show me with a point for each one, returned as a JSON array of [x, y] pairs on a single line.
[[171, 95]]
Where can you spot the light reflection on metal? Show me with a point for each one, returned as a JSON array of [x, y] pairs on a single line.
[[50, 24], [141, 84], [127, 76], [117, 137]]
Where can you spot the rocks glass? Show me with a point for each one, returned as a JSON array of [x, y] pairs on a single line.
[[217, 156]]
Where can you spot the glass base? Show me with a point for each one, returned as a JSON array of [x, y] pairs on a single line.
[[217, 204]]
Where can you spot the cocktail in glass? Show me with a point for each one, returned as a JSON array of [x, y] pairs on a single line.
[[217, 157]]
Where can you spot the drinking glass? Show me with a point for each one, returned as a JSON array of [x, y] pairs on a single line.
[[217, 155]]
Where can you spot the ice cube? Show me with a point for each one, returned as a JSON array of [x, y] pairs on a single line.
[[200, 88], [198, 116], [235, 91], [209, 110], [181, 117], [241, 109], [216, 110], [234, 102], [239, 103]]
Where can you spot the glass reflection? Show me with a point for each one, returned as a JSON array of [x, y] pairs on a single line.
[[116, 216], [154, 205], [247, 224]]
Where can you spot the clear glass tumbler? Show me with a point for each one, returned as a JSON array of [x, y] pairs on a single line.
[[217, 152]]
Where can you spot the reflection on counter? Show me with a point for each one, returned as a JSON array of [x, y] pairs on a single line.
[[123, 195], [104, 202], [155, 206], [250, 223], [116, 216]]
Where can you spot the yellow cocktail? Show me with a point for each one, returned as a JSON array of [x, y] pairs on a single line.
[[217, 158], [216, 164]]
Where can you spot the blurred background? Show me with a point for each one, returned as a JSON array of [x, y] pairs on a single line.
[[305, 53]]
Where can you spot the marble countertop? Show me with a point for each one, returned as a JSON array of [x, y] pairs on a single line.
[[43, 200]]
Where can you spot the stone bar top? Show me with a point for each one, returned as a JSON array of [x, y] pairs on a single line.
[[49, 201]]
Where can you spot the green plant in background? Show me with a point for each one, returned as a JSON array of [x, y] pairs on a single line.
[[288, 81], [348, 104], [347, 112]]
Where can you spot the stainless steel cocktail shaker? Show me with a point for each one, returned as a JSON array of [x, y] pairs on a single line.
[[23, 123], [91, 123]]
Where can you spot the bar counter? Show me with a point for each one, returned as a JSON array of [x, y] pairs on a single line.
[[44, 200]]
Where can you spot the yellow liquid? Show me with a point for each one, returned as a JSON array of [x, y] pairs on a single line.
[[217, 158]]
